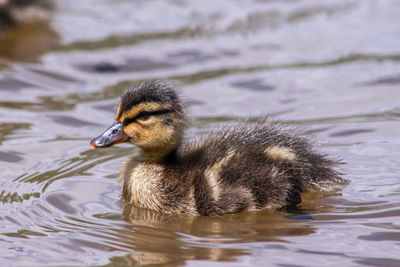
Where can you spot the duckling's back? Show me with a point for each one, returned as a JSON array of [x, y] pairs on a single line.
[[250, 167]]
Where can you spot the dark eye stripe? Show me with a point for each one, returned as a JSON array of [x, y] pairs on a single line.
[[146, 113]]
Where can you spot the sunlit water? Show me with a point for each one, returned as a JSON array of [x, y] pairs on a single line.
[[331, 68]]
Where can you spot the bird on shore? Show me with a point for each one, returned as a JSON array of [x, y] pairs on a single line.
[[229, 169]]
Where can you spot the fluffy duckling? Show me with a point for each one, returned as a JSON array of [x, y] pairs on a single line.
[[226, 170]]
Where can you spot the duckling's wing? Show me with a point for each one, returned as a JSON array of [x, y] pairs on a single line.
[[253, 166]]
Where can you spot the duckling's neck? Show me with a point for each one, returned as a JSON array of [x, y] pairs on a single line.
[[158, 155]]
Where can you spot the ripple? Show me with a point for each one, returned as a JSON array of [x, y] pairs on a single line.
[[394, 80], [70, 121], [10, 83], [255, 85], [351, 132], [8, 129], [10, 156], [132, 39], [130, 65], [381, 236], [60, 201], [378, 262], [364, 215], [45, 103]]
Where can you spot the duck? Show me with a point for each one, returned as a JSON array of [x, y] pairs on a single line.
[[224, 170]]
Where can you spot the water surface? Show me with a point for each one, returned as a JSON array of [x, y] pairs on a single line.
[[330, 68]]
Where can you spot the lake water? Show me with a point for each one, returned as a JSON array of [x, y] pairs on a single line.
[[330, 68]]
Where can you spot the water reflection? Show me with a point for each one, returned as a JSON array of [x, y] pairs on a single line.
[[171, 239], [8, 129], [75, 166]]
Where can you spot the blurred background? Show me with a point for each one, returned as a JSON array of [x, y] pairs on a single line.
[[330, 68]]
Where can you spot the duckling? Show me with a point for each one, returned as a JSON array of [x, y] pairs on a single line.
[[246, 167]]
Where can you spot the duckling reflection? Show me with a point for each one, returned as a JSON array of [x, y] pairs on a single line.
[[246, 167], [173, 238]]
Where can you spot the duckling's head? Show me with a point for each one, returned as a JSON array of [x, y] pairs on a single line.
[[149, 116]]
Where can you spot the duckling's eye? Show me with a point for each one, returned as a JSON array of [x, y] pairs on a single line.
[[144, 115], [128, 121], [168, 121]]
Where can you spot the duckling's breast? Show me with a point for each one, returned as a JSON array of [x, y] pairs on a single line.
[[143, 185], [157, 186]]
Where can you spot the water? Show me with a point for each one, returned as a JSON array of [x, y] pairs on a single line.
[[330, 68]]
